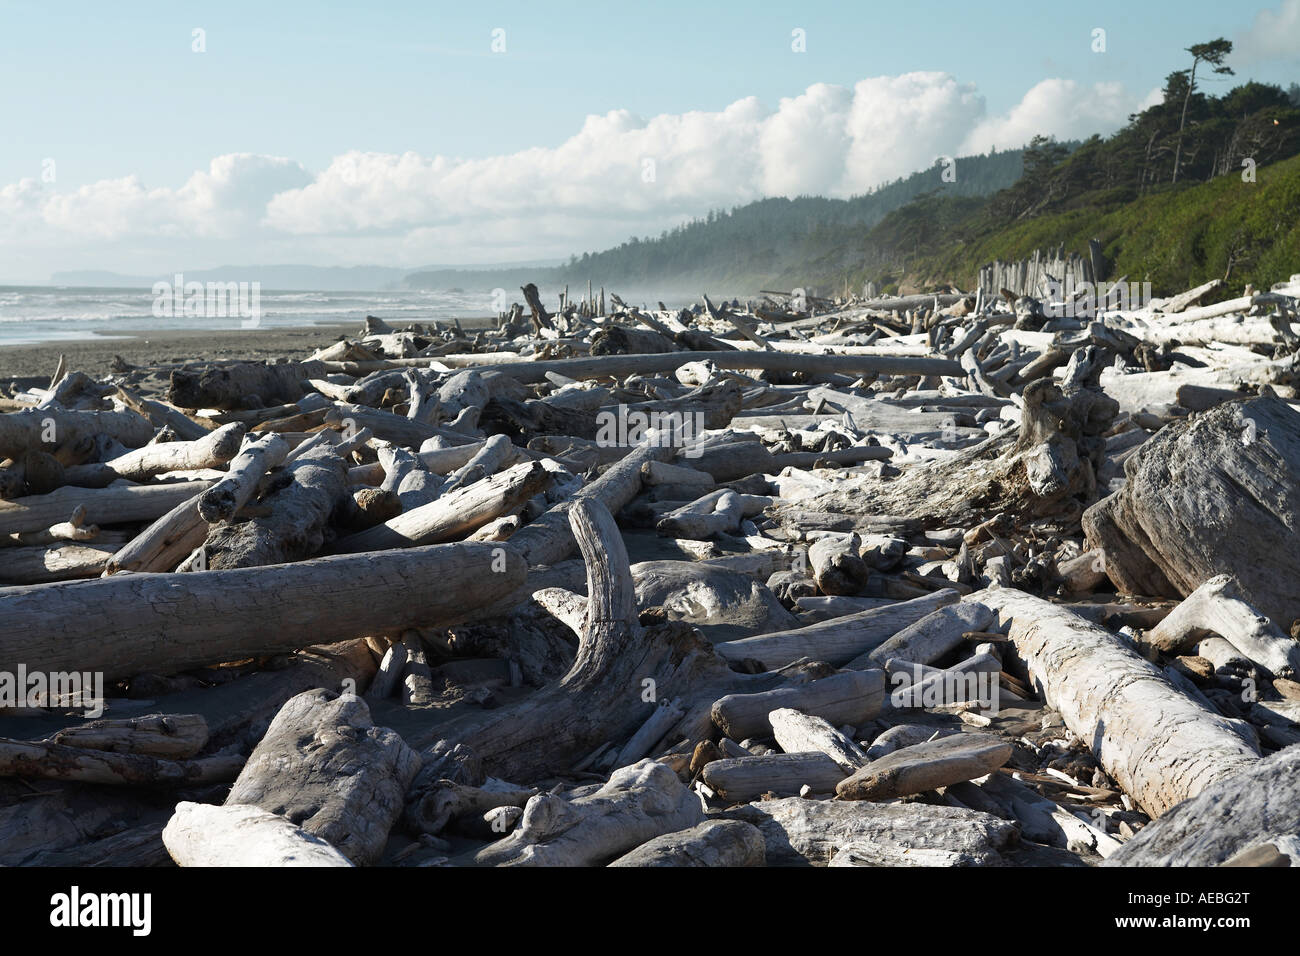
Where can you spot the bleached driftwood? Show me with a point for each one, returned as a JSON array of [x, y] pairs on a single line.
[[848, 698], [839, 640], [712, 843], [1214, 494], [199, 834], [232, 615], [256, 457], [739, 780], [636, 804], [926, 766], [797, 732], [810, 832], [1218, 606], [1156, 742]]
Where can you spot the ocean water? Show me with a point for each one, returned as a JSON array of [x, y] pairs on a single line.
[[35, 314]]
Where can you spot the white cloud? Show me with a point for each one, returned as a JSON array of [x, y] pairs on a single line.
[[1060, 108], [619, 174], [1274, 35]]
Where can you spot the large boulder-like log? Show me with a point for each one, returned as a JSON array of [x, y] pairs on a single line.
[[802, 832], [242, 385], [324, 766], [1216, 494], [199, 834], [1258, 806]]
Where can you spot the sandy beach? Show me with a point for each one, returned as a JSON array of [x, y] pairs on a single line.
[[94, 354]]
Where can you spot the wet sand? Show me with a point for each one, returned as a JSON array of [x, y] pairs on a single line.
[[94, 354]]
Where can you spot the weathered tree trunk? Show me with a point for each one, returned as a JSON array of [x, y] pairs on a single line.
[[849, 697], [211, 451], [1156, 742], [117, 505], [1219, 607], [1048, 469], [1256, 807], [739, 780], [836, 641], [926, 766], [811, 832], [52, 427], [163, 623], [50, 761]]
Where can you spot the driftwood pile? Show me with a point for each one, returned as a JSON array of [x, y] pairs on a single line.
[[926, 580]]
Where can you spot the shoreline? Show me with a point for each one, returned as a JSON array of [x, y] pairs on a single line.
[[93, 354]]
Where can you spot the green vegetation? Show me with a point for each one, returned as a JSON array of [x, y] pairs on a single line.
[[1234, 214]]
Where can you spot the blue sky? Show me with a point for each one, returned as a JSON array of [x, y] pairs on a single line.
[[114, 93]]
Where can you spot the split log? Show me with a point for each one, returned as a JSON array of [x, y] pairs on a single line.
[[836, 641], [256, 457], [456, 514], [850, 697], [796, 732], [1219, 607], [162, 623], [748, 778], [712, 843], [926, 766], [1216, 494], [324, 766], [202, 835], [1154, 741], [811, 832], [637, 804]]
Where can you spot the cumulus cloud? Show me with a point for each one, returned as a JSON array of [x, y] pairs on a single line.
[[618, 171], [1274, 35]]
